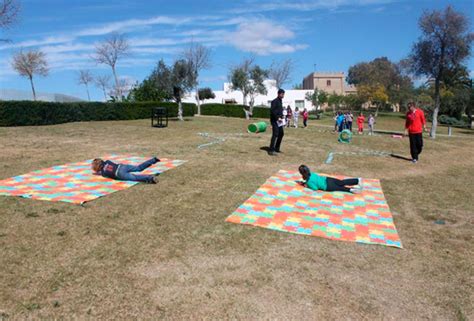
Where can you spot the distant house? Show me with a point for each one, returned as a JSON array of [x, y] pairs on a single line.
[[330, 82], [13, 94], [293, 97]]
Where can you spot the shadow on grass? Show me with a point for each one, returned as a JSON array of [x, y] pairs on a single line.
[[400, 157], [467, 132], [177, 120]]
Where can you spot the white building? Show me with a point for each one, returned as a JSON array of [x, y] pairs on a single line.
[[293, 97]]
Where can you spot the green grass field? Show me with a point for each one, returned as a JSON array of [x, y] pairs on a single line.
[[164, 251]]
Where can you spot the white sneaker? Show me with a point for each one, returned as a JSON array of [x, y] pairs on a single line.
[[356, 190], [361, 184]]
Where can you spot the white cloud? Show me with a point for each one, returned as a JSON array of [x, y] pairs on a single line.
[[263, 38], [126, 24], [305, 5], [35, 43], [69, 47], [73, 51]]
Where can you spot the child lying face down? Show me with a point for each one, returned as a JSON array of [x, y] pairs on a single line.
[[330, 184], [124, 172]]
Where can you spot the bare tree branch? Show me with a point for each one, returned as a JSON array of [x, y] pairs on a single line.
[[109, 52], [103, 82], [198, 58], [9, 10], [85, 78], [281, 72], [30, 63]]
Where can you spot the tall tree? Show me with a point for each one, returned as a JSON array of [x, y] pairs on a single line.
[[206, 93], [382, 72], [445, 44], [161, 77], [281, 72], [317, 97], [182, 80], [9, 10], [109, 52], [172, 82], [374, 94], [470, 107], [335, 100], [146, 91], [199, 58], [85, 78], [249, 79], [103, 83], [31, 63]]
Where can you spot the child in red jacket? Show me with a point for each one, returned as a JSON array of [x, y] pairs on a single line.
[[360, 123], [305, 117]]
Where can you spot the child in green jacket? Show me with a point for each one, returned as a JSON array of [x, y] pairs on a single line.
[[330, 184]]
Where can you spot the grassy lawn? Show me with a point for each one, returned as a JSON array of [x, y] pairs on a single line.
[[164, 251]]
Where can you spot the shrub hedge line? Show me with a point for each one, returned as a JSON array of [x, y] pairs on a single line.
[[233, 111], [33, 113]]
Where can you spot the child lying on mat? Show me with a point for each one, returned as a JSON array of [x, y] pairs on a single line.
[[124, 172], [330, 184]]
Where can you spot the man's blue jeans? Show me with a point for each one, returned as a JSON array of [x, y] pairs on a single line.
[[126, 172]]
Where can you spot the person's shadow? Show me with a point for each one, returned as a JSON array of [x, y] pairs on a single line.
[[400, 157], [265, 149]]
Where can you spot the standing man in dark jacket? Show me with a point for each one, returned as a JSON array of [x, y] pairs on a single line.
[[276, 119]]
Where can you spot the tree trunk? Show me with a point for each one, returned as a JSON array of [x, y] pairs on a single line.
[[118, 92], [180, 110], [469, 117], [245, 98], [33, 88], [198, 101], [434, 123], [88, 95]]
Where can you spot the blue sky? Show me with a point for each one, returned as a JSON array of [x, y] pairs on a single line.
[[331, 34]]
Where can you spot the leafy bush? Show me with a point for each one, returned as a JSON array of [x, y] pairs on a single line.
[[32, 113], [233, 111], [451, 121]]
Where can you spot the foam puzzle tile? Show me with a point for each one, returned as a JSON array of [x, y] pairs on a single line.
[[75, 182], [283, 205]]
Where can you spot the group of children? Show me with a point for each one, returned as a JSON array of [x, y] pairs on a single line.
[[289, 114], [313, 181], [344, 121]]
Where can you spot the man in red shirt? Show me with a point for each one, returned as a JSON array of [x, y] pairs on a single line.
[[414, 126]]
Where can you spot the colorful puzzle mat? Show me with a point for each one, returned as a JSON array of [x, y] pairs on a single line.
[[75, 182], [283, 205]]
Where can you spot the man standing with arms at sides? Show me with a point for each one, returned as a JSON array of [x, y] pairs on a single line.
[[414, 126], [277, 121]]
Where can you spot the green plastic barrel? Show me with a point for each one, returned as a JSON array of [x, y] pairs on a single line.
[[345, 136], [257, 127]]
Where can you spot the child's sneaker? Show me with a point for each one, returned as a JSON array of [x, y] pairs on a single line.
[[361, 183], [157, 160], [155, 180], [356, 190], [414, 161]]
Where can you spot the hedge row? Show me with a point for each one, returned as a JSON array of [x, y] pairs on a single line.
[[233, 111], [33, 113]]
